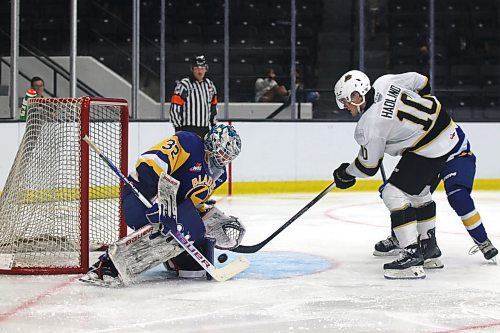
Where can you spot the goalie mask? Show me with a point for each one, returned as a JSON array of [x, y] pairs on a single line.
[[350, 82], [222, 144]]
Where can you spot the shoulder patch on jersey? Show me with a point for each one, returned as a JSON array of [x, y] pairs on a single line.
[[196, 168], [359, 136]]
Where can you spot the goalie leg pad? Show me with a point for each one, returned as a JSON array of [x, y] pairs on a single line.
[[137, 253]]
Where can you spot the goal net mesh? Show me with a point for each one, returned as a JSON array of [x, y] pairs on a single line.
[[43, 211]]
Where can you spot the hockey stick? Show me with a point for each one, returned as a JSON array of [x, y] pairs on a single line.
[[219, 274], [257, 247], [382, 172]]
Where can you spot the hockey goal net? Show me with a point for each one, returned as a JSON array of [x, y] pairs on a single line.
[[60, 201]]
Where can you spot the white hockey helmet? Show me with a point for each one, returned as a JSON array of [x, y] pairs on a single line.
[[222, 145], [350, 82]]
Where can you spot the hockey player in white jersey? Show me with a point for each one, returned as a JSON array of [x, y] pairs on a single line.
[[397, 120]]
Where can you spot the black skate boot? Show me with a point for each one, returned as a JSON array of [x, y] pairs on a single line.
[[431, 251], [387, 247], [102, 273], [409, 265], [489, 251]]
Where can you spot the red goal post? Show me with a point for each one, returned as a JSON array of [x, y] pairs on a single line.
[[61, 201]]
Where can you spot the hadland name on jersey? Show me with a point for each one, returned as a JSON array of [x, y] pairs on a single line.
[[390, 102]]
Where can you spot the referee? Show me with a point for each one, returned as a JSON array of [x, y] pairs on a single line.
[[193, 106]]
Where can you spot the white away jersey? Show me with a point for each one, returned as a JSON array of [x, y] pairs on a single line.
[[401, 120]]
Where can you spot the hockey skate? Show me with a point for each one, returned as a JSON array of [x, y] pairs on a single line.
[[387, 247], [409, 265], [489, 251], [431, 251], [103, 273]]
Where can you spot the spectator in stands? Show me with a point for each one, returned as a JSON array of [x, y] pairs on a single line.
[[459, 46], [374, 17], [268, 90], [193, 105], [38, 84], [304, 94], [36, 90]]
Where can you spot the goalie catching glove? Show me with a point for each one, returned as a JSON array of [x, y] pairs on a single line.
[[227, 231]]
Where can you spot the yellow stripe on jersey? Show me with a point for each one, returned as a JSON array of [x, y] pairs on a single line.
[[471, 220], [172, 149], [153, 163]]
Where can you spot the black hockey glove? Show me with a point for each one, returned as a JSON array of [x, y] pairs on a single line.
[[342, 179]]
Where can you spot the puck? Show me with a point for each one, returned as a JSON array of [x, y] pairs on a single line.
[[222, 258]]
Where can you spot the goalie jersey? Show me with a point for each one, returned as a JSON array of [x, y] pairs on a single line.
[[402, 118], [183, 157]]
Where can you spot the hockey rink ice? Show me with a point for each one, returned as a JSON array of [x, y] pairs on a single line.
[[318, 275]]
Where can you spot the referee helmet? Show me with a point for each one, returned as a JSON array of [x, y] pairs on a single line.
[[200, 61]]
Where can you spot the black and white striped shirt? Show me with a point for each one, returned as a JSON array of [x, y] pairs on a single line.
[[194, 103]]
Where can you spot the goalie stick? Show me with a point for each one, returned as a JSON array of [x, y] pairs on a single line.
[[257, 247], [219, 274]]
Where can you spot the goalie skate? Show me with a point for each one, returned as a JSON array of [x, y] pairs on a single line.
[[409, 265], [103, 273], [106, 281], [387, 247]]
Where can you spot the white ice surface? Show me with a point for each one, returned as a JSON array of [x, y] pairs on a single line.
[[350, 296]]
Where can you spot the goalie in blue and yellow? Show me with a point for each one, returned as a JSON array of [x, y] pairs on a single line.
[[194, 168], [199, 166]]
